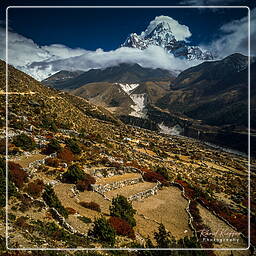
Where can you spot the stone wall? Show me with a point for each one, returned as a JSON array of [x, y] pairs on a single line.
[[112, 171], [115, 185], [146, 193]]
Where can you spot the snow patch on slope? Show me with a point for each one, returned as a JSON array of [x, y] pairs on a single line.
[[175, 130], [128, 88], [139, 107]]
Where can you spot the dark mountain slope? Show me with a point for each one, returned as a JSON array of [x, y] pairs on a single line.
[[123, 73], [215, 92]]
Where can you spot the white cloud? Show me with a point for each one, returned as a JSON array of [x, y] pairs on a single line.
[[23, 51], [181, 32], [235, 37], [152, 57], [43, 61]]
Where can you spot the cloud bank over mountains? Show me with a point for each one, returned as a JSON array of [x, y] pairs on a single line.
[[43, 61], [235, 37]]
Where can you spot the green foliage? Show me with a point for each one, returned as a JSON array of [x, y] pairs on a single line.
[[123, 209], [103, 231], [53, 146], [50, 231], [73, 146], [91, 205], [49, 124], [163, 171], [73, 174], [84, 219], [52, 200], [163, 238], [24, 142]]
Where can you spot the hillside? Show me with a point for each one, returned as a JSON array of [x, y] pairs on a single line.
[[122, 73], [214, 92], [72, 167]]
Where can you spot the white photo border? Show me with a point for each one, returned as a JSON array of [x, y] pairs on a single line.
[[130, 249]]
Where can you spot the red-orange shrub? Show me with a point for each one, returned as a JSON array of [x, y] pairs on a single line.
[[66, 155], [85, 184], [17, 175], [35, 188], [122, 227], [53, 162], [151, 176], [71, 210], [91, 205]]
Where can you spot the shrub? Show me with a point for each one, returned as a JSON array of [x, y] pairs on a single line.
[[52, 200], [71, 210], [48, 123], [35, 188], [103, 231], [53, 162], [86, 183], [73, 146], [12, 191], [21, 222], [123, 209], [122, 227], [154, 177], [65, 155], [17, 175], [52, 146], [163, 171], [91, 205], [73, 174], [164, 238], [24, 142], [84, 219]]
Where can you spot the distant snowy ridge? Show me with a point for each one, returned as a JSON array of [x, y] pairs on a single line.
[[165, 32]]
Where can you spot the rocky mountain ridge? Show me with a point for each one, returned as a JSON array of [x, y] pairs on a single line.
[[161, 35]]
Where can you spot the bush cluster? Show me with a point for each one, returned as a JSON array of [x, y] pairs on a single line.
[[86, 183], [73, 174], [12, 191], [103, 231], [52, 146], [35, 188], [49, 124], [122, 227], [24, 142], [84, 219], [163, 171], [65, 155], [52, 200], [123, 209], [91, 205], [151, 176], [73, 146], [17, 175], [53, 162]]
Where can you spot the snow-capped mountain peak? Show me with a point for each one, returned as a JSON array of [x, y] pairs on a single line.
[[163, 31]]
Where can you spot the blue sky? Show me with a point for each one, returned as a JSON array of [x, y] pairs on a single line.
[[108, 28], [45, 40]]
